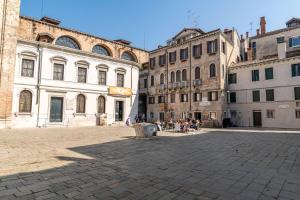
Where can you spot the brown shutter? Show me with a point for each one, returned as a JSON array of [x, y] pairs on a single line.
[[217, 44]]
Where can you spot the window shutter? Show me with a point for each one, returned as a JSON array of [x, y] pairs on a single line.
[[290, 42], [294, 70], [208, 47], [217, 45], [200, 50]]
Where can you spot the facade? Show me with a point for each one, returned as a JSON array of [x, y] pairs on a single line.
[[187, 77], [264, 89], [62, 77]]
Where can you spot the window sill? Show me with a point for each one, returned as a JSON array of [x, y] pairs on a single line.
[[196, 57], [172, 63], [23, 114], [183, 60], [79, 114], [212, 54]]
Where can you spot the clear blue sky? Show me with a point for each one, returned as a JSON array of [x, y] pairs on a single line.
[[159, 20]]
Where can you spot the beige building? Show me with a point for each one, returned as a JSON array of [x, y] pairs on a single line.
[[187, 77], [264, 89]]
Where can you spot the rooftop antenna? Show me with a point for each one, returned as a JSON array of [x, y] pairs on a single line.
[[144, 41], [193, 18], [251, 28], [42, 8]]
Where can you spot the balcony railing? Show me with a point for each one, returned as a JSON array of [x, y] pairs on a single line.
[[197, 82]]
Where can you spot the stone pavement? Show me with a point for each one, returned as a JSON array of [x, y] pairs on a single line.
[[106, 163]]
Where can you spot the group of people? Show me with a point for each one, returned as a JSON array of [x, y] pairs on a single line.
[[182, 125]]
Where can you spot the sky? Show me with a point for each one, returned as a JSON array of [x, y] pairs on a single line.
[[149, 23]]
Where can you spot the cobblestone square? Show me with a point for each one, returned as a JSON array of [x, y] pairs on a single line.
[[108, 163]]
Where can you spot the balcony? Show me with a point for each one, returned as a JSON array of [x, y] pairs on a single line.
[[184, 84], [197, 82]]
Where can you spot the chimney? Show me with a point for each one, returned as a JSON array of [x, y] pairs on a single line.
[[242, 37], [263, 25], [257, 32], [247, 34], [281, 47]]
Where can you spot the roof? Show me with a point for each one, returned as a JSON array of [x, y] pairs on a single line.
[[275, 32], [50, 20], [189, 29], [292, 20]]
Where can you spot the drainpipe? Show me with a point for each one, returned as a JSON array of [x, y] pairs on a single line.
[[167, 75], [190, 55], [131, 85], [38, 97]]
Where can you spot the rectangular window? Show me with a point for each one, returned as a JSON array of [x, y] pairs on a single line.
[[152, 63], [197, 51], [172, 57], [161, 116], [27, 68], [271, 114], [270, 95], [295, 70], [232, 97], [255, 75], [269, 73], [297, 93], [151, 100], [294, 41], [184, 54], [297, 112], [120, 80], [58, 72], [212, 96], [224, 47], [212, 115], [212, 47], [197, 97], [172, 98], [253, 50], [145, 83], [102, 77], [82, 72], [152, 80], [256, 96], [162, 60], [161, 99], [232, 78], [183, 97]]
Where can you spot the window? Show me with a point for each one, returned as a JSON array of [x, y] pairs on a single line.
[[232, 97], [145, 83], [184, 75], [172, 57], [151, 100], [294, 41], [172, 77], [212, 70], [297, 93], [212, 115], [162, 60], [178, 76], [162, 116], [212, 47], [27, 68], [152, 63], [224, 47], [80, 106], [197, 97], [295, 70], [297, 112], [172, 98], [183, 97], [197, 73], [270, 95], [102, 77], [271, 114], [161, 99], [253, 50], [101, 104], [151, 115], [152, 80], [197, 51], [173, 115], [212, 96], [128, 56], [58, 72], [25, 101], [184, 54], [223, 71], [162, 79], [255, 75], [232, 78], [120, 80], [99, 49], [269, 73], [256, 96], [67, 42], [82, 72]]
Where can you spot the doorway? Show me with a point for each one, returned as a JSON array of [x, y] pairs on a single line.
[[197, 115], [119, 111], [56, 109], [257, 122]]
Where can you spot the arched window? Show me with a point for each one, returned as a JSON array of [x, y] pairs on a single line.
[[67, 42], [212, 70], [172, 77], [128, 56], [152, 80], [25, 101], [162, 79], [101, 104], [99, 49], [184, 75], [178, 76], [80, 106], [197, 73]]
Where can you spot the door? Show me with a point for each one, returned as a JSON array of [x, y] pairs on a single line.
[[197, 116], [56, 109], [119, 110], [257, 119]]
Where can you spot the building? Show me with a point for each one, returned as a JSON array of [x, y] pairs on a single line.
[[264, 89], [63, 77], [187, 77]]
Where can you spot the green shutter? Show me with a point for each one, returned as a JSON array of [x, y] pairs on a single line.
[[290, 42], [294, 70]]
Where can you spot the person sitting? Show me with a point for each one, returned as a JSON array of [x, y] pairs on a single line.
[[177, 126]]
